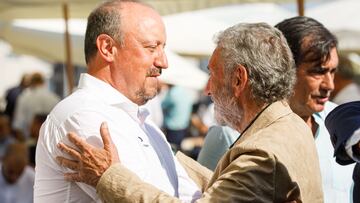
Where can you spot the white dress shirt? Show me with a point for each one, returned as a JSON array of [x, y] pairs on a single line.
[[19, 192], [141, 145]]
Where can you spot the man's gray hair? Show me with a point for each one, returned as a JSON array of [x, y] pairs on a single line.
[[265, 54]]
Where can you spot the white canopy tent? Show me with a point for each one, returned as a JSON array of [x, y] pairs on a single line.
[[11, 9], [343, 18], [192, 33], [14, 9], [44, 38], [13, 67]]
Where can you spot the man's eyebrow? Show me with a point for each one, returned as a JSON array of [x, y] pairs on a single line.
[[320, 67]]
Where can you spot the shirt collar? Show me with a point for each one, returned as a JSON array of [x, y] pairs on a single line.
[[319, 117], [109, 95]]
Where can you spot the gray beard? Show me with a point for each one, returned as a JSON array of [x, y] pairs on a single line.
[[142, 98]]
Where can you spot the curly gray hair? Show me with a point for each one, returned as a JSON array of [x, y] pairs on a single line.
[[265, 54]]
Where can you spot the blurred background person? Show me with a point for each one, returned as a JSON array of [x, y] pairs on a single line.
[[177, 107], [35, 126], [346, 81], [16, 178], [13, 93], [37, 99], [217, 142], [6, 137]]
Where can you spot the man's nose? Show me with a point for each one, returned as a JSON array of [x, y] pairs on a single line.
[[161, 60], [328, 82]]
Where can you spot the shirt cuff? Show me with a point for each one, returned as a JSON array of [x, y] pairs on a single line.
[[353, 140]]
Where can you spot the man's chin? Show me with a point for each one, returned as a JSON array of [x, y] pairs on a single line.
[[143, 97], [318, 107]]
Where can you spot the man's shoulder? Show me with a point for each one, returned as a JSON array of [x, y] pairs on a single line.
[[280, 137], [290, 125], [76, 102]]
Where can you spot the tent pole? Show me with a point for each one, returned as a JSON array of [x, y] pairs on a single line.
[[69, 65], [301, 10]]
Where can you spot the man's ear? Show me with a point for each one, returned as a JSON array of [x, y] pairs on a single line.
[[240, 80], [106, 47]]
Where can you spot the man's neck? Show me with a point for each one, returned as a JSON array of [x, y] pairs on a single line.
[[310, 121], [250, 113]]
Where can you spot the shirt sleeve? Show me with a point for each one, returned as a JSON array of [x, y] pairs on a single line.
[[119, 184], [217, 142], [235, 184], [248, 178], [199, 174], [50, 183]]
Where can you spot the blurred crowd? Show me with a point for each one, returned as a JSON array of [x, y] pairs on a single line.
[[27, 107]]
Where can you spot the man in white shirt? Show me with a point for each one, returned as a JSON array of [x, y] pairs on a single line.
[[124, 52]]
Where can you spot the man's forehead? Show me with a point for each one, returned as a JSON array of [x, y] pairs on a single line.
[[137, 10], [329, 61], [214, 59], [134, 15]]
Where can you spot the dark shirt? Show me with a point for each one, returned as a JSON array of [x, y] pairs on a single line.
[[11, 97]]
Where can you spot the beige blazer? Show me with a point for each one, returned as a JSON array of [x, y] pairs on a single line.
[[274, 160]]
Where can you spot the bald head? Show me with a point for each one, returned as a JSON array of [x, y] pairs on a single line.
[[109, 18]]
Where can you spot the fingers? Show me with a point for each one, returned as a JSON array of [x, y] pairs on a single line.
[[77, 141], [72, 152], [71, 164], [75, 177], [108, 143], [105, 135]]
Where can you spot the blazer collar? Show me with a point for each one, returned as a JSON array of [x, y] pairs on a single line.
[[272, 113]]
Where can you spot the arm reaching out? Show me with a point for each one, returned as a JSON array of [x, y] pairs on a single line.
[[89, 162]]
